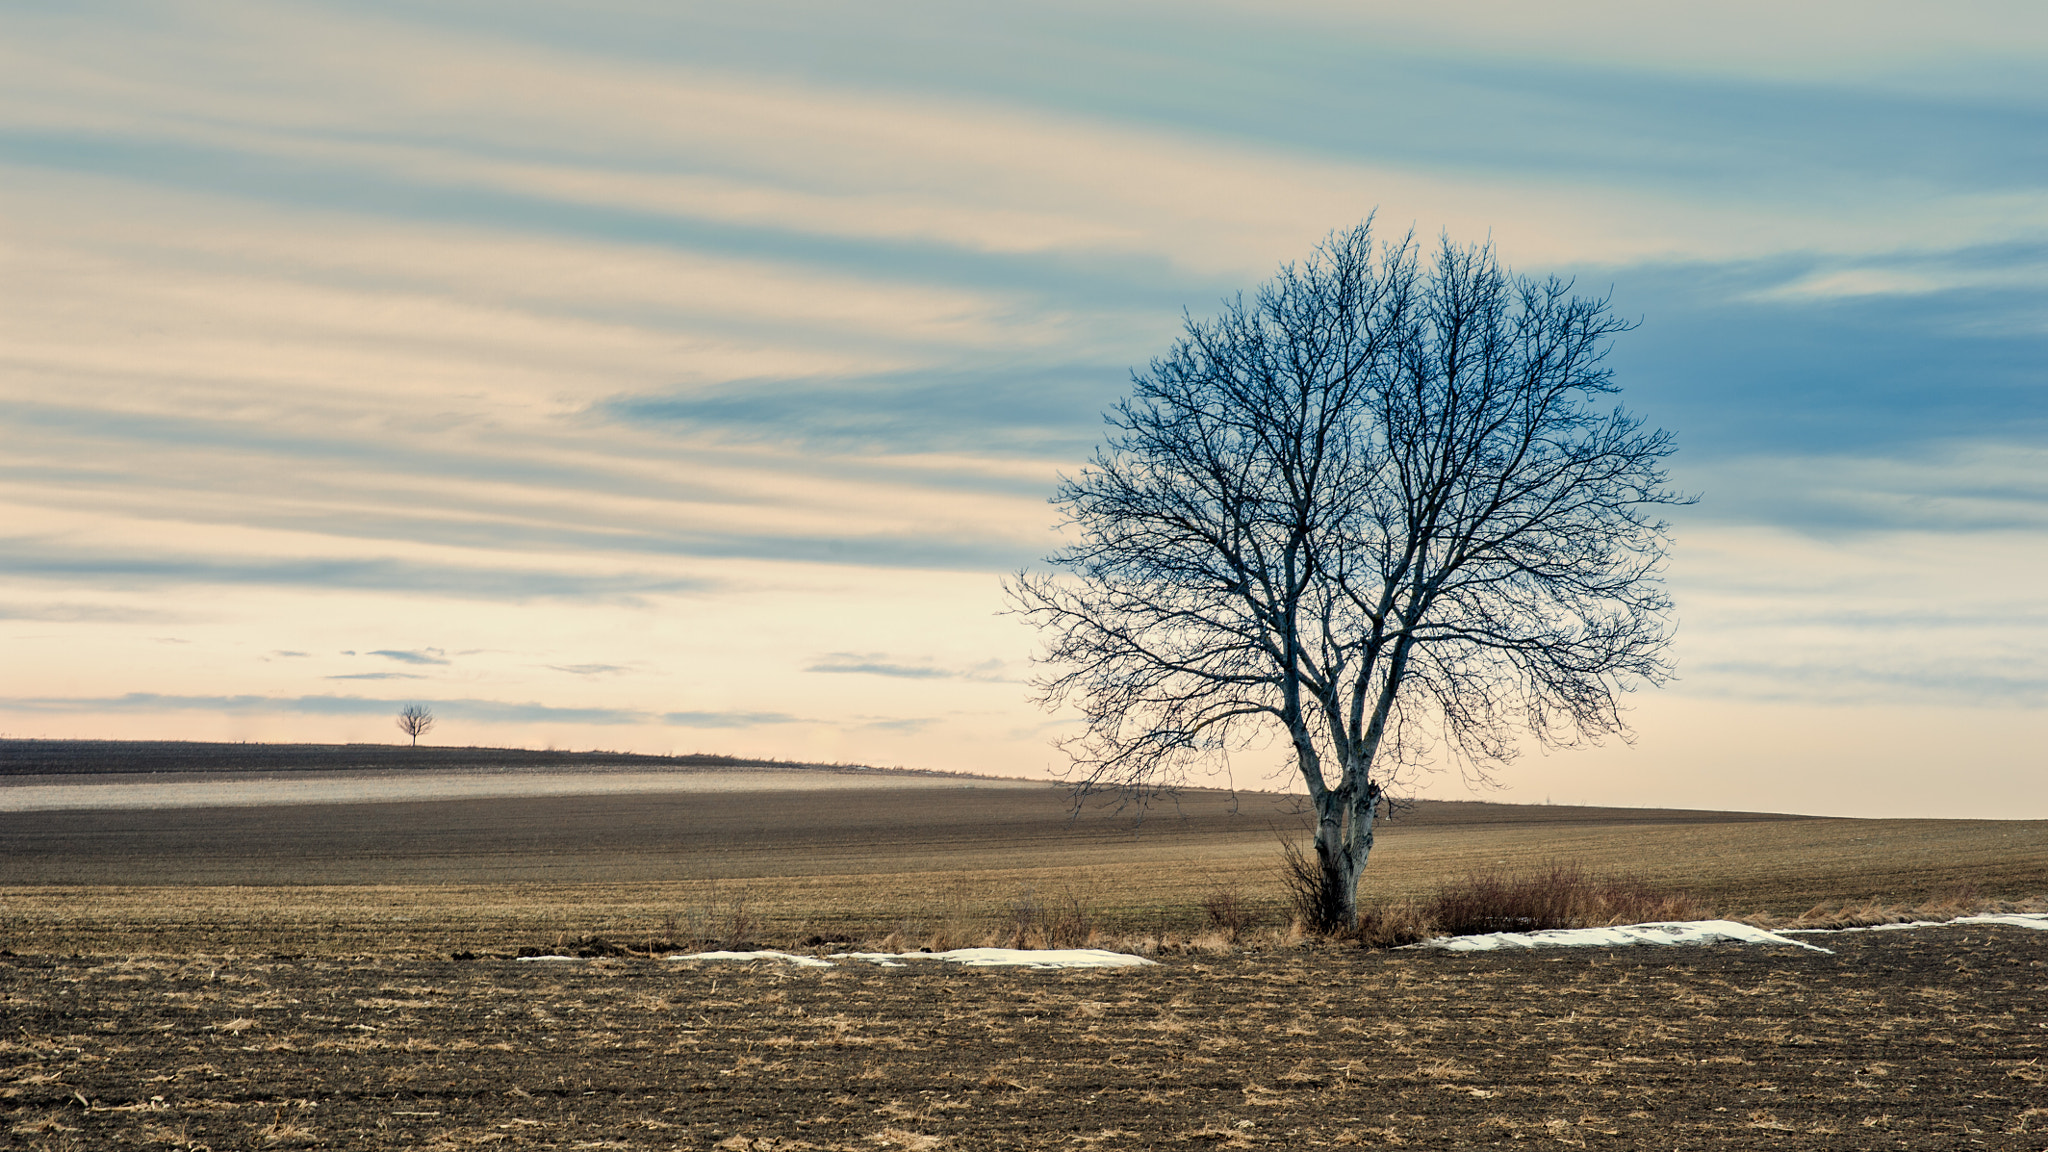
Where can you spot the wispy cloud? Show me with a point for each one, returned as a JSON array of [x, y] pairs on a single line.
[[1046, 411], [595, 343], [377, 676], [847, 662], [881, 664], [460, 709], [907, 726], [412, 656], [89, 614], [1951, 682], [46, 560], [727, 719], [492, 711]]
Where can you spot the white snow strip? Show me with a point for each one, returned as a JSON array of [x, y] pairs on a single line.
[[969, 957], [1006, 958], [2015, 919], [784, 957], [1620, 936]]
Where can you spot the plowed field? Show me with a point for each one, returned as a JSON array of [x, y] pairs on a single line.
[[243, 977], [1928, 1039]]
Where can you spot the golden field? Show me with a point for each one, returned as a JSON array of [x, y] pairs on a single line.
[[868, 861]]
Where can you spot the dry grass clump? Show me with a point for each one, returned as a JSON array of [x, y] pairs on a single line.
[[1559, 895], [1961, 901], [1065, 922], [1229, 913], [1315, 907], [1562, 895], [1394, 923]]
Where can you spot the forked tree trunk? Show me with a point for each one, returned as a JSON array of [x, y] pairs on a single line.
[[1344, 835]]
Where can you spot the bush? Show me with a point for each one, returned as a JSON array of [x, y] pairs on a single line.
[[1560, 896], [1065, 923], [1230, 915], [1394, 924], [1315, 908], [1557, 896]]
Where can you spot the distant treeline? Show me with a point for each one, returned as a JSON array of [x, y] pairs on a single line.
[[46, 757]]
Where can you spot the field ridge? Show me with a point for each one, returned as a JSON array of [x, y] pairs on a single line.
[[26, 757]]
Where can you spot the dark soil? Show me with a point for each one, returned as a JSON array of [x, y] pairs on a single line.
[[1926, 1039]]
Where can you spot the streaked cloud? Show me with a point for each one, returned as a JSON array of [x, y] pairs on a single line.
[[88, 613], [881, 664], [726, 719], [406, 656], [846, 662], [660, 338], [486, 711], [37, 559]]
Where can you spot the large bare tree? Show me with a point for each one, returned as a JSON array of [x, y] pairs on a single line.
[[1383, 512]]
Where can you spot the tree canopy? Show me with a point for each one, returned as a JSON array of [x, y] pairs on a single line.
[[1380, 511]]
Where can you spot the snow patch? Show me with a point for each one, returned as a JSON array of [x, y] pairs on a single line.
[[968, 957], [1006, 958], [2034, 920], [1619, 936], [784, 957]]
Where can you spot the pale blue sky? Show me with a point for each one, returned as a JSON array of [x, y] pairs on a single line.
[[685, 377]]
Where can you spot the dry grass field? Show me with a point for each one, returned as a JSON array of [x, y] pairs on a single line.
[[285, 977], [944, 865]]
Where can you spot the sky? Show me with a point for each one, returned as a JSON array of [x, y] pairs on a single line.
[[675, 377]]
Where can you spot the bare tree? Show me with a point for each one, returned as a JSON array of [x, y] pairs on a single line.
[[1374, 512], [415, 720]]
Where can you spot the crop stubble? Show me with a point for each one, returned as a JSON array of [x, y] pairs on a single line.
[[1928, 1039], [278, 978], [865, 862]]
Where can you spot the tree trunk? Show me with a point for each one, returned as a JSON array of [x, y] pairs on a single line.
[[1344, 835]]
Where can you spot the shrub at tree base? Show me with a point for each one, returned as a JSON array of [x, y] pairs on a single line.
[[1560, 896], [1317, 906]]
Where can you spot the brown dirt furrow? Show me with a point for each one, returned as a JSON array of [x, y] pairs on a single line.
[[1923, 1039]]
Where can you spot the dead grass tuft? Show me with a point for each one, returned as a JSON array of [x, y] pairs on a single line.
[[1316, 908], [42, 1126], [911, 1141], [1066, 922], [283, 1132], [1393, 924], [1562, 895], [1557, 895], [1867, 913], [1230, 914]]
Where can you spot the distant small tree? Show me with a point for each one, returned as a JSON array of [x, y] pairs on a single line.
[[416, 720]]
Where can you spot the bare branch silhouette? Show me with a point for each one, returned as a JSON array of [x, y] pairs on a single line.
[[415, 720], [1374, 510]]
